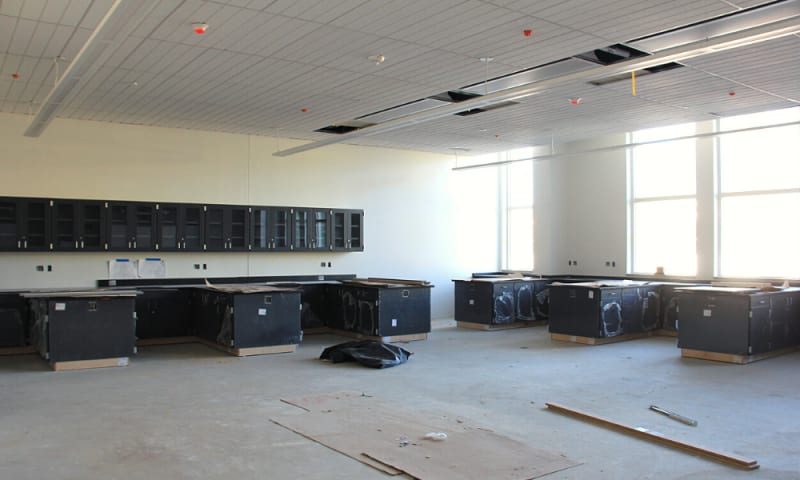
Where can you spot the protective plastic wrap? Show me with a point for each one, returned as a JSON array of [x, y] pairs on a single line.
[[368, 353]]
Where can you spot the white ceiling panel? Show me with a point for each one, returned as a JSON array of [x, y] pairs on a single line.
[[261, 63]]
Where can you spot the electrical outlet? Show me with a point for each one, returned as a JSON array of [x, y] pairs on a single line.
[[608, 264], [197, 266], [330, 264], [205, 266], [613, 263], [40, 268], [49, 268], [322, 264]]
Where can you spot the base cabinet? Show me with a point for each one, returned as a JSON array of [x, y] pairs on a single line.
[[380, 310], [83, 328], [247, 320], [500, 302], [599, 310], [738, 321]]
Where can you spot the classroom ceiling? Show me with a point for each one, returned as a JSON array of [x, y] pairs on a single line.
[[381, 70]]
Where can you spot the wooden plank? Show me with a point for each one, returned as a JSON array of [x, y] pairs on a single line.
[[86, 364], [659, 438], [663, 332], [500, 326], [417, 283], [146, 342], [731, 357], [392, 435], [17, 350], [560, 337], [341, 447], [246, 352], [317, 330], [411, 337], [250, 351]]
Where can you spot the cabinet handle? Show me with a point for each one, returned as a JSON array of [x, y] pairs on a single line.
[[19, 244], [76, 244], [129, 244], [81, 243], [25, 243], [184, 244]]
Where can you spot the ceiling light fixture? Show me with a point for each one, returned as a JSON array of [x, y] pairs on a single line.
[[376, 59], [121, 19], [199, 27], [694, 49]]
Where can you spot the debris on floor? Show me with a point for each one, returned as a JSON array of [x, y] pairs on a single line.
[[368, 353]]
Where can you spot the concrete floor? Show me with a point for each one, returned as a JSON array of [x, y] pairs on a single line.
[[187, 412]]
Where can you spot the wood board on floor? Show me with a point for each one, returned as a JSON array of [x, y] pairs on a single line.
[[365, 427], [560, 337], [499, 326]]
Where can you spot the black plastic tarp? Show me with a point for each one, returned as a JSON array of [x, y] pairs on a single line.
[[368, 353]]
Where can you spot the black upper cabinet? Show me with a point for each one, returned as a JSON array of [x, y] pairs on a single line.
[[24, 224], [131, 226], [36, 224], [270, 229], [78, 225], [347, 230], [179, 227], [226, 228], [311, 229]]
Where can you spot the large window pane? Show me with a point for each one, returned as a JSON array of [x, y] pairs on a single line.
[[665, 236], [760, 236], [520, 239]]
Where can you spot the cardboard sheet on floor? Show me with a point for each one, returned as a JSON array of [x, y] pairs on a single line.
[[367, 428]]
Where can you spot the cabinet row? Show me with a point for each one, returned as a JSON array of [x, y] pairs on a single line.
[[37, 224]]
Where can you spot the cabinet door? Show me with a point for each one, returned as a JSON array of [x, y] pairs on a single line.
[[35, 224], [355, 226], [320, 229], [65, 215], [301, 238], [259, 228], [214, 238], [281, 228], [91, 222], [236, 223], [9, 219], [338, 230], [191, 227], [167, 236], [144, 227], [118, 231]]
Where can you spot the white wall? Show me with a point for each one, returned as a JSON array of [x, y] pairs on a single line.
[[580, 204], [411, 203]]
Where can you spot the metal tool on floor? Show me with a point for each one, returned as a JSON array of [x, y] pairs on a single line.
[[674, 416]]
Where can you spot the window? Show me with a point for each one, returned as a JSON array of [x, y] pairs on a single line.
[[758, 196], [518, 245], [662, 202]]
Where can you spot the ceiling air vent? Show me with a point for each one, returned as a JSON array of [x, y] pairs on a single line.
[[612, 54], [455, 96], [486, 108], [344, 127], [618, 53]]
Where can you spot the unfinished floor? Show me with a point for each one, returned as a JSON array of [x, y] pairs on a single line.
[[188, 412]]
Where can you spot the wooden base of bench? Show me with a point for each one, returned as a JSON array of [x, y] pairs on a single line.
[[411, 337], [147, 342], [86, 364], [499, 326], [733, 358], [17, 350], [560, 337], [250, 351], [663, 332]]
